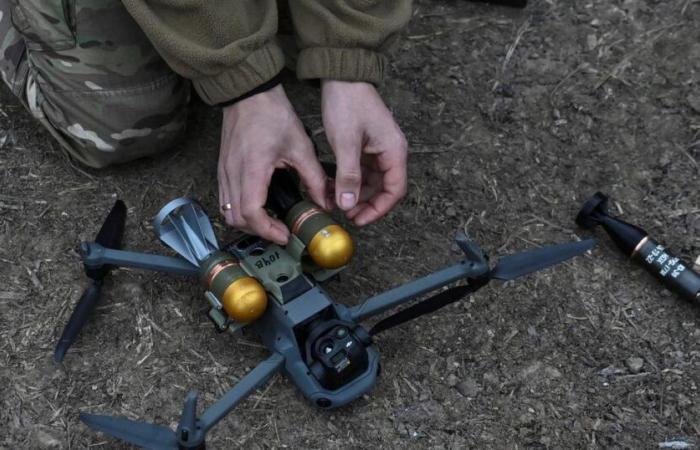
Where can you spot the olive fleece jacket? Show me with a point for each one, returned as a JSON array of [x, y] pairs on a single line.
[[229, 47]]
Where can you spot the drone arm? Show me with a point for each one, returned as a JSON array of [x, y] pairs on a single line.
[[402, 294], [240, 391], [95, 255]]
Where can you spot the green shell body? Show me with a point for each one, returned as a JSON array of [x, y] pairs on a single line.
[[312, 225], [224, 278]]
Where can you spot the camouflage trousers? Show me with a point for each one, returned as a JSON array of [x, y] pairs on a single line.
[[85, 70]]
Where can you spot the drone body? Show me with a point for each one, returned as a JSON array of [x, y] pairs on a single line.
[[326, 354], [317, 343]]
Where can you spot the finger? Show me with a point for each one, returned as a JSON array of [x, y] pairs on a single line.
[[356, 210], [394, 188], [369, 190], [227, 196], [312, 176], [223, 194], [372, 183], [372, 210], [349, 174], [254, 187]]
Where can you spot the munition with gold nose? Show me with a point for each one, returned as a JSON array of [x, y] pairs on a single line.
[[327, 243], [183, 226]]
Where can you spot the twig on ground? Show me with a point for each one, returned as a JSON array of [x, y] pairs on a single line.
[[511, 50]]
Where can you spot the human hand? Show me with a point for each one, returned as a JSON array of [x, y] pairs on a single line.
[[370, 150], [258, 135]]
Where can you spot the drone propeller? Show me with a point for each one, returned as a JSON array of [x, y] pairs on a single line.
[[142, 434], [508, 268], [515, 266], [109, 236], [151, 436], [191, 430]]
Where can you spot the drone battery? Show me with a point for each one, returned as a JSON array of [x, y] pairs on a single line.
[[328, 244], [243, 297]]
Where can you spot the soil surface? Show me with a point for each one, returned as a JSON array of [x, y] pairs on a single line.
[[514, 118]]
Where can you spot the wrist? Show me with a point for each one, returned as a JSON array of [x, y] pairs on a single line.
[[260, 101], [341, 84], [264, 87]]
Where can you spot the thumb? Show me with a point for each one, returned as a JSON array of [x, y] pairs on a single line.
[[348, 177]]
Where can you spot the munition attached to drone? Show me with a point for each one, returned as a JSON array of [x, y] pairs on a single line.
[[183, 226], [327, 243], [676, 275]]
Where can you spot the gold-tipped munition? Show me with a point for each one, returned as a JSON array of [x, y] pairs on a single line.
[[244, 300], [331, 247], [243, 297], [328, 244]]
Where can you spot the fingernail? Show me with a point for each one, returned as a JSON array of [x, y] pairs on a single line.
[[347, 200]]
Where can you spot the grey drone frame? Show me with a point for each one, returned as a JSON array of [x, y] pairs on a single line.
[[276, 328], [299, 312]]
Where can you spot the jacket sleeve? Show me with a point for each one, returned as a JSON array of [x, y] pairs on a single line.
[[225, 47], [346, 39]]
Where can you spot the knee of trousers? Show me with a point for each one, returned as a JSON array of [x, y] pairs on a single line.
[[104, 127]]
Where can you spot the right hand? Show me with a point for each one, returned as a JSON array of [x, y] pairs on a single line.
[[369, 147], [260, 134]]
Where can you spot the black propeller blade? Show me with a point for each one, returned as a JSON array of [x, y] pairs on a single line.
[[507, 268], [521, 264], [110, 236], [142, 434], [151, 436]]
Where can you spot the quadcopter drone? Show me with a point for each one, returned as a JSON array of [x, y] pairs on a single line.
[[276, 292]]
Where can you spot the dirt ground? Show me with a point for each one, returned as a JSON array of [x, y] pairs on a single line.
[[514, 118]]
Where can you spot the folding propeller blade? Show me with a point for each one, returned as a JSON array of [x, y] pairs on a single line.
[[112, 231], [110, 235], [508, 268], [77, 320], [518, 265], [142, 434]]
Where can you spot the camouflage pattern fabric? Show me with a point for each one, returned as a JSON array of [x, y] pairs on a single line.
[[87, 72]]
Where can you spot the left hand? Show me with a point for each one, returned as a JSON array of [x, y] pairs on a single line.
[[258, 135], [369, 148]]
